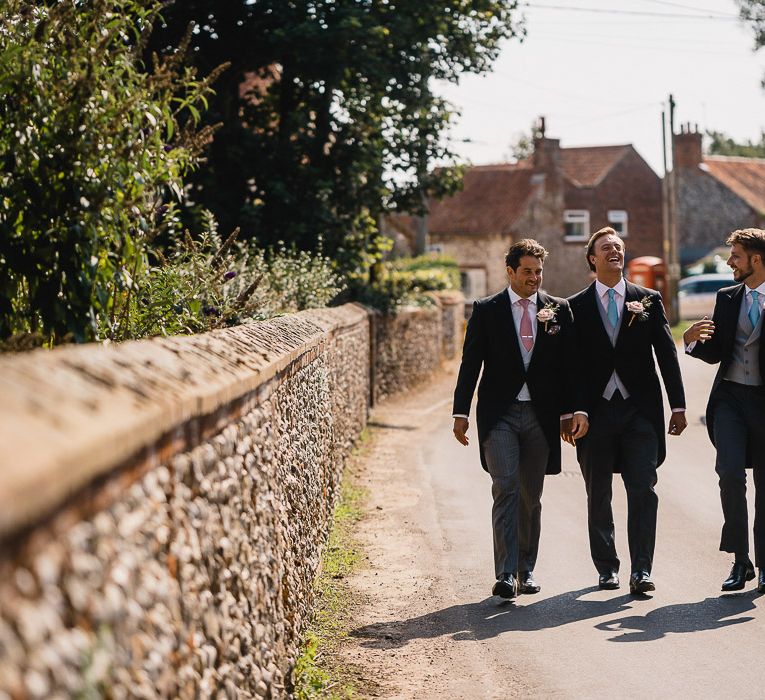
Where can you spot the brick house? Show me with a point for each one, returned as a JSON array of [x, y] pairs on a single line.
[[558, 196], [715, 195]]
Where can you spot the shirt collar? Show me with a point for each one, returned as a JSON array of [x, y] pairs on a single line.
[[601, 288], [760, 289], [515, 297]]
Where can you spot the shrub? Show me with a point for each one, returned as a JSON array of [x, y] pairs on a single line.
[[406, 282], [90, 148]]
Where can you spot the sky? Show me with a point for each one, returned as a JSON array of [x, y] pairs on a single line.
[[601, 71]]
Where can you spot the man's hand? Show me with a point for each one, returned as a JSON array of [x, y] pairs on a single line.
[[677, 423], [565, 430], [581, 425], [700, 331], [459, 430], [574, 427]]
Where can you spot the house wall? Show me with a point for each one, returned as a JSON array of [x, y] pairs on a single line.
[[707, 212], [486, 252], [634, 187]]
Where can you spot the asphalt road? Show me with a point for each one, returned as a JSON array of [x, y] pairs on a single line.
[[429, 626]]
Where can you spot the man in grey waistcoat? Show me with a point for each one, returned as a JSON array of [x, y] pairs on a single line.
[[736, 408]]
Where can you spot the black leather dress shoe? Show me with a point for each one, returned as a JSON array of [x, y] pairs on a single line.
[[761, 582], [506, 586], [608, 582], [740, 573], [527, 583], [640, 582]]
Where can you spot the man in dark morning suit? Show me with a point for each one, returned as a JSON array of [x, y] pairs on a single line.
[[736, 408], [520, 337], [618, 327]]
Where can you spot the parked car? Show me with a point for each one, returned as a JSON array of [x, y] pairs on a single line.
[[697, 294]]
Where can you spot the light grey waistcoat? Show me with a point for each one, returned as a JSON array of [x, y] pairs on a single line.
[[745, 363], [614, 382]]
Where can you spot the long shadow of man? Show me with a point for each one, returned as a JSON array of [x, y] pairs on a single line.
[[708, 614], [487, 619]]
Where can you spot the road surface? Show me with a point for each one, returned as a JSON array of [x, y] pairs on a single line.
[[428, 627]]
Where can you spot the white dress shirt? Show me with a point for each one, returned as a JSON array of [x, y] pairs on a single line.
[[515, 305], [517, 310]]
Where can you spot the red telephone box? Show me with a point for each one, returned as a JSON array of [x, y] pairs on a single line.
[[648, 271]]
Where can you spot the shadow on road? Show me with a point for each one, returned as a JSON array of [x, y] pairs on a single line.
[[488, 618], [708, 614]]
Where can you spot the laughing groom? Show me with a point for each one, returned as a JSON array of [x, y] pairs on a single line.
[[618, 328], [520, 337]]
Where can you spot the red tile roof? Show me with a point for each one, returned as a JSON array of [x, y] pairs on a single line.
[[492, 198], [588, 165], [743, 176]]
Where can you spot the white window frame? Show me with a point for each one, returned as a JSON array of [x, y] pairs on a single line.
[[619, 216], [577, 216]]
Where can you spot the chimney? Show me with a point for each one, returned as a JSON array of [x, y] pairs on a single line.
[[546, 151], [687, 147]]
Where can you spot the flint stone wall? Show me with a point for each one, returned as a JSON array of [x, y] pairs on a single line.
[[408, 344], [163, 504], [453, 322]]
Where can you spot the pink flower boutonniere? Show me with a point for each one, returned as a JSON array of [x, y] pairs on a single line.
[[548, 315], [639, 309]]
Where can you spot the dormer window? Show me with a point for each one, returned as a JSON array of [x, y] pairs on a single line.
[[576, 225], [617, 220]]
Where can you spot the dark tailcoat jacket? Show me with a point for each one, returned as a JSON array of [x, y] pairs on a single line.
[[719, 348], [631, 357], [492, 342]]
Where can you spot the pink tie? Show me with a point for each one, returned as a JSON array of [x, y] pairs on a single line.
[[527, 335]]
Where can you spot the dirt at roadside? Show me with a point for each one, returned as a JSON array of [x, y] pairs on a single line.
[[406, 616]]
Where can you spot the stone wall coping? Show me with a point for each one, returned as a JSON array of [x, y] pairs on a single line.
[[72, 414]]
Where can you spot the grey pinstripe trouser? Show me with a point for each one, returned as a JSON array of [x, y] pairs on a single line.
[[516, 454]]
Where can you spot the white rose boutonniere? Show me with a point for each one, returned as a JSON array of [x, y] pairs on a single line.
[[638, 309], [548, 314]]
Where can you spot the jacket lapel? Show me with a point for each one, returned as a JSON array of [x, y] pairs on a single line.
[[626, 324]]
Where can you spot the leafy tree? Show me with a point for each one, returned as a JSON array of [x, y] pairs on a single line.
[[753, 12], [91, 148], [328, 112], [722, 145]]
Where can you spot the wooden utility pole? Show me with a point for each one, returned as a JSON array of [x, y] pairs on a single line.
[[673, 263]]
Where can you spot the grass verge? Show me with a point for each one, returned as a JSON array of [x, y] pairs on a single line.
[[318, 672]]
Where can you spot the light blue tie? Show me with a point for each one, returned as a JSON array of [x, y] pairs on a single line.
[[611, 312], [754, 311]]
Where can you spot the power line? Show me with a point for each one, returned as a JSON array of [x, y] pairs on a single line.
[[692, 7], [638, 13]]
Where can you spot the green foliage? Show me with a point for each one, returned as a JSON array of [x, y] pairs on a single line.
[[209, 283], [406, 282], [90, 147], [753, 12], [722, 145], [338, 120], [314, 676]]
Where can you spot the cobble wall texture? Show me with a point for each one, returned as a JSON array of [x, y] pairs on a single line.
[[408, 349], [452, 321], [184, 570], [165, 502]]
